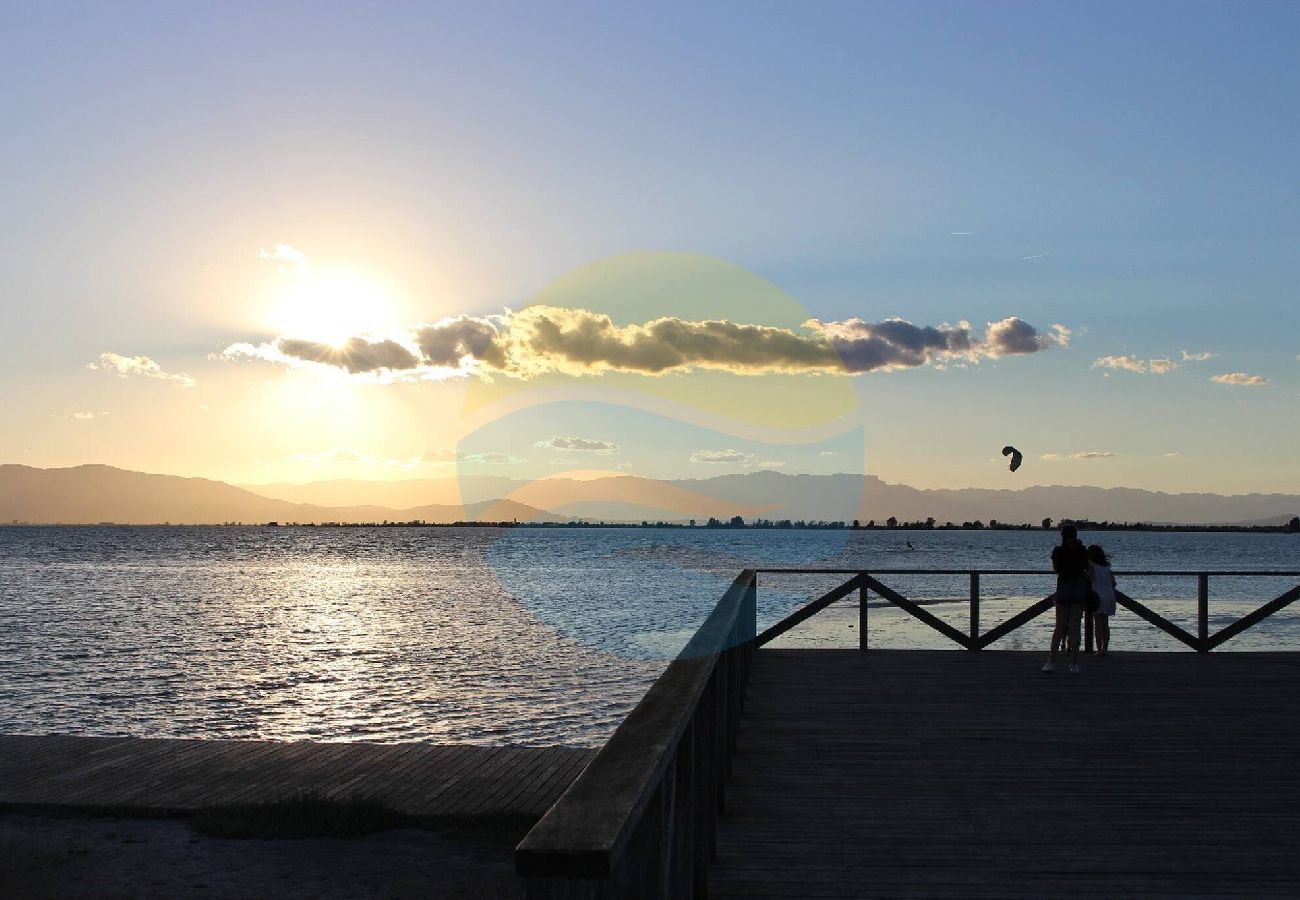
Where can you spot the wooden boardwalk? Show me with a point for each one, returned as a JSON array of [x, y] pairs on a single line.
[[158, 776], [945, 773]]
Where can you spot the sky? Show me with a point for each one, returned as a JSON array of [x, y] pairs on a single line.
[[289, 242]]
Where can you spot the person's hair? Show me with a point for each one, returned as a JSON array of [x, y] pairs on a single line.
[[1098, 555], [1069, 532]]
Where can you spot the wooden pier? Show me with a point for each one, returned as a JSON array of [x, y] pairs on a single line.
[[156, 776], [752, 772]]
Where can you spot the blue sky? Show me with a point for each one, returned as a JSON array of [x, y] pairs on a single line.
[[1128, 172]]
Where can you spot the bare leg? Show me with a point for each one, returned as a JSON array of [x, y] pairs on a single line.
[[1102, 624], [1076, 618], [1059, 632]]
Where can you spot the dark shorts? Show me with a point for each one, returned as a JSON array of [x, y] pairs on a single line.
[[1071, 593]]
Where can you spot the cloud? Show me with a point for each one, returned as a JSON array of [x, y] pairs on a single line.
[[715, 457], [328, 456], [1189, 356], [545, 339], [735, 458], [453, 341], [1158, 366], [439, 457], [1172, 454], [355, 355], [586, 445], [1128, 363], [493, 458], [125, 366], [1082, 454], [962, 232], [444, 456], [288, 260], [1240, 379], [829, 453], [86, 416], [1039, 255], [1016, 336], [427, 457]]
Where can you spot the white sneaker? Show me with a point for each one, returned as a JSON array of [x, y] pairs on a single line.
[[1075, 670], [1049, 666]]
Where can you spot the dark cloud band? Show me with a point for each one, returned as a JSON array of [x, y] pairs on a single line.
[[544, 339]]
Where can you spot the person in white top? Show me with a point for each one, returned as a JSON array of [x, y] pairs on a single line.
[[1103, 582]]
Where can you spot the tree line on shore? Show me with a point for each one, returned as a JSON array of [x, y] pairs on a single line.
[[738, 522]]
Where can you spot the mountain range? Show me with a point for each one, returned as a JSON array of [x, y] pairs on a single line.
[[92, 494], [97, 493]]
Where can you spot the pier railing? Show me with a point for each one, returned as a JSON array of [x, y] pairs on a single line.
[[640, 820], [866, 581]]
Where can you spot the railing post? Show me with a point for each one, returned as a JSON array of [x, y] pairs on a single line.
[[1203, 612], [974, 609], [862, 617]]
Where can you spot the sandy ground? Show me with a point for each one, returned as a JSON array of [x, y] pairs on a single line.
[[46, 856]]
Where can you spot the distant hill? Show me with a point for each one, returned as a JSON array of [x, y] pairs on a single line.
[[90, 494], [87, 494], [777, 495]]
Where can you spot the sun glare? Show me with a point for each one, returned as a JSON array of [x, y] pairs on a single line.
[[331, 306]]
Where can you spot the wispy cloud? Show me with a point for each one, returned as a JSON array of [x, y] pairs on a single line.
[[585, 445], [1240, 379], [962, 233], [331, 456], [544, 339], [729, 457], [1189, 356], [735, 458], [1039, 255], [490, 457], [1082, 454], [288, 260], [427, 457], [86, 416], [493, 458], [143, 366], [1158, 366]]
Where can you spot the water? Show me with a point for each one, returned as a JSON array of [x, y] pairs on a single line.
[[523, 636]]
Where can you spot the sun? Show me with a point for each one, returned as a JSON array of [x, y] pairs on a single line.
[[333, 304]]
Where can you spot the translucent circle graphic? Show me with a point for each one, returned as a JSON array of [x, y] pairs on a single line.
[[646, 493]]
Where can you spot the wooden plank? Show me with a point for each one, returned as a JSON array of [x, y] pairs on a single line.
[[178, 775], [934, 773]]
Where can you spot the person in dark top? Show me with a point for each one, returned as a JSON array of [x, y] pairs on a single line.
[[1070, 563]]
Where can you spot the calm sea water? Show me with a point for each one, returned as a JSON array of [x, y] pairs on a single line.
[[523, 636]]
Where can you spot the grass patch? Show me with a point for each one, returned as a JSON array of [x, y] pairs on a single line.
[[300, 816]]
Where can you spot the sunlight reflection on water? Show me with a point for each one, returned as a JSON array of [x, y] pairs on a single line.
[[523, 636]]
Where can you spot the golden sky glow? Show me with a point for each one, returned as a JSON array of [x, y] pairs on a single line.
[[250, 244]]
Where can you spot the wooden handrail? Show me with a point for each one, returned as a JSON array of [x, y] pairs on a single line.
[[639, 821], [864, 579], [809, 610]]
